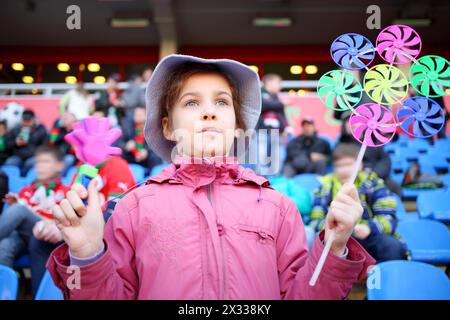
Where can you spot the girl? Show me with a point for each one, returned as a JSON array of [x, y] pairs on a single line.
[[204, 228]]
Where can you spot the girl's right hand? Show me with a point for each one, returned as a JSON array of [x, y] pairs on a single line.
[[81, 226]]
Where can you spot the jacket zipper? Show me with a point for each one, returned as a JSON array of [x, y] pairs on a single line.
[[222, 293]]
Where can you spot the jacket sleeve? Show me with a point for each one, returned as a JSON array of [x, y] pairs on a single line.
[[11, 138], [295, 267], [320, 208], [383, 207], [112, 276]]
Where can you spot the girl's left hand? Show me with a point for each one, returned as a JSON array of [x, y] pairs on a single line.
[[344, 212]]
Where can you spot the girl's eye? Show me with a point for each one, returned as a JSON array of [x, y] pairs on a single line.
[[191, 103], [222, 102]]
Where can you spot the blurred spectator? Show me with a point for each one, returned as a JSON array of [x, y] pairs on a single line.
[[77, 102], [375, 159], [62, 127], [30, 213], [307, 153], [272, 109], [147, 74], [114, 179], [375, 230], [108, 100], [272, 118], [4, 150], [132, 97], [135, 148], [99, 113], [23, 141]]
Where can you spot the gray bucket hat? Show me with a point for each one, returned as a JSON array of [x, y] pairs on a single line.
[[245, 79]]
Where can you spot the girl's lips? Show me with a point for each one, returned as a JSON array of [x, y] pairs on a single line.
[[210, 129]]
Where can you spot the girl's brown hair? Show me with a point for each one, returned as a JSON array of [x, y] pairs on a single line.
[[178, 77]]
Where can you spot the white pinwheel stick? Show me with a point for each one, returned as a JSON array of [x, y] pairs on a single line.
[[369, 125], [330, 239]]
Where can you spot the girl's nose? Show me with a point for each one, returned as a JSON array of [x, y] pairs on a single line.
[[209, 114]]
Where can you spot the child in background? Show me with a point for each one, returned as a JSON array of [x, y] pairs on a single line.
[[30, 210], [114, 178], [135, 147], [205, 227], [375, 230]]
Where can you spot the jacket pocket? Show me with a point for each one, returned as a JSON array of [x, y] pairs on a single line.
[[259, 234]]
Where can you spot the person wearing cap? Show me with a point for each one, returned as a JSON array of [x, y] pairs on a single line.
[[23, 140], [205, 227], [307, 153]]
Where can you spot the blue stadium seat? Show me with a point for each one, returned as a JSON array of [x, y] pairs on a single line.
[[48, 290], [401, 212], [442, 151], [309, 181], [414, 193], [411, 194], [434, 204], [391, 147], [31, 176], [11, 171], [67, 179], [442, 144], [407, 280], [398, 164], [427, 240], [437, 161], [138, 172], [403, 140], [421, 145], [16, 184], [9, 283], [397, 177], [446, 180], [158, 168], [407, 153]]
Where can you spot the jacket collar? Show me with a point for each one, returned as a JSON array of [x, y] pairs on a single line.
[[198, 172]]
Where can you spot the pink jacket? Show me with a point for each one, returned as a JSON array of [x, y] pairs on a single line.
[[208, 231]]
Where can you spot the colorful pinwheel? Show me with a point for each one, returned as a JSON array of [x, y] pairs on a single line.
[[339, 90], [421, 117], [398, 44], [352, 51], [430, 76]]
